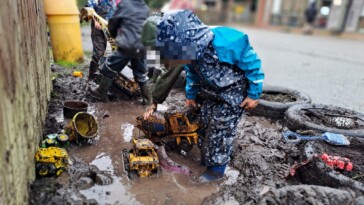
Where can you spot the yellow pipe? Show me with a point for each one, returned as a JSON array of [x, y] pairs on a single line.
[[65, 32]]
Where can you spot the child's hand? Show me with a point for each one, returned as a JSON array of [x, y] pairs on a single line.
[[190, 102], [97, 25], [249, 104], [150, 110]]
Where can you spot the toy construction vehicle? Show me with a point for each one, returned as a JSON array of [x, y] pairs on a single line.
[[55, 140], [178, 130], [51, 161], [142, 160]]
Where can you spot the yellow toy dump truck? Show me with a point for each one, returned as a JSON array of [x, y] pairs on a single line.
[[51, 161], [142, 160], [177, 129]]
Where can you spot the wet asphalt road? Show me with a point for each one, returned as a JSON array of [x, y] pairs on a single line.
[[329, 69]]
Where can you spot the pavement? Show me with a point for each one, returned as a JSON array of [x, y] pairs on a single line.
[[328, 68]]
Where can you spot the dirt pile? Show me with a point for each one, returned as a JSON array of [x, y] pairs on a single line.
[[278, 97]]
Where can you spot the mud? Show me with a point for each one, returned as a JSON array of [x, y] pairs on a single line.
[[97, 174], [278, 97], [353, 153]]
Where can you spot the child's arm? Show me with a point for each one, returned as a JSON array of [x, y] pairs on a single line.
[[165, 83]]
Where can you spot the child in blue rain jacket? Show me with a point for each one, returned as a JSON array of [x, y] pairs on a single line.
[[219, 62]]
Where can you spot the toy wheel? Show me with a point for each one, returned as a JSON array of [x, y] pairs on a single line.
[[42, 169], [171, 145], [133, 175], [50, 142], [62, 137], [59, 171], [184, 146]]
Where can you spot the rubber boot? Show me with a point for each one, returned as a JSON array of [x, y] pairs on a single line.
[[93, 68], [145, 91], [213, 173], [101, 91]]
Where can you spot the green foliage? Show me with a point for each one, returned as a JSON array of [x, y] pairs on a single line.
[[155, 4], [67, 64], [87, 53], [81, 3]]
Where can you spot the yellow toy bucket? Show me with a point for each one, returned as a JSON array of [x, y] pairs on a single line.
[[82, 125]]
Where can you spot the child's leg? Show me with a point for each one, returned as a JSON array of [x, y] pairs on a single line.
[[99, 44], [140, 72], [115, 62], [221, 119]]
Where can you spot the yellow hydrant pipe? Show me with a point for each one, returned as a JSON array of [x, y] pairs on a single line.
[[65, 32]]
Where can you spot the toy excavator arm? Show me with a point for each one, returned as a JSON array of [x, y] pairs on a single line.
[[88, 13]]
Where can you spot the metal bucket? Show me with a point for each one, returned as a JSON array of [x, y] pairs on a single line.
[[72, 107], [83, 125]]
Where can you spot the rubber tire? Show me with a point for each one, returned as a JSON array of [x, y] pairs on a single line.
[[276, 110], [295, 121], [171, 145], [184, 146], [133, 175]]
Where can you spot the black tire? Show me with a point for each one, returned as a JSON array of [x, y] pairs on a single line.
[[184, 146], [171, 145], [298, 118], [133, 175], [42, 169], [126, 160], [276, 110]]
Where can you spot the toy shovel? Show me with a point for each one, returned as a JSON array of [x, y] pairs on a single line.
[[331, 138]]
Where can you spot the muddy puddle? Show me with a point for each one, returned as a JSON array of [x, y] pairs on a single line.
[[97, 174]]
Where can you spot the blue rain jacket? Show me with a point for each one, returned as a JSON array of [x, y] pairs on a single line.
[[231, 46]]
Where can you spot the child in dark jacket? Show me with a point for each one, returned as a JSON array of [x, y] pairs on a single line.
[[126, 27], [104, 8]]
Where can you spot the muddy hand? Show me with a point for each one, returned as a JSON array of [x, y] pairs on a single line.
[[249, 104], [150, 110], [190, 102]]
